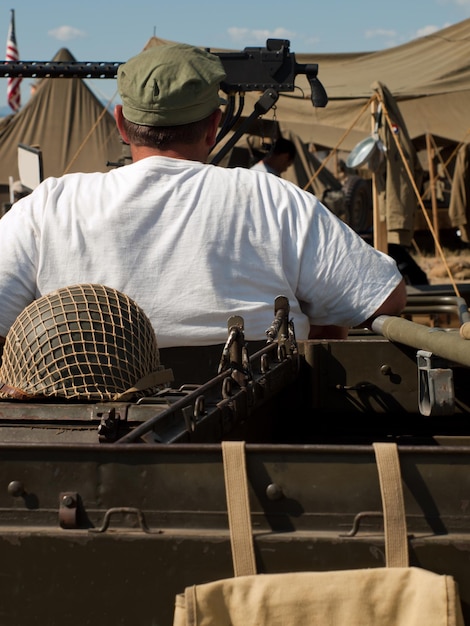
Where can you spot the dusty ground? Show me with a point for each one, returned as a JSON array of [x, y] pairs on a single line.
[[437, 269]]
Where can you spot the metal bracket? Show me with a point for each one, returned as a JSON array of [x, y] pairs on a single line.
[[68, 509], [109, 426], [435, 385]]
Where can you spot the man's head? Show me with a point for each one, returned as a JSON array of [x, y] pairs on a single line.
[[170, 85], [166, 91], [282, 155]]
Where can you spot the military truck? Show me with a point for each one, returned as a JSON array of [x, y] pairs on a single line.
[[108, 510]]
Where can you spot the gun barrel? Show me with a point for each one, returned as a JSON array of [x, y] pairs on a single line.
[[447, 344]]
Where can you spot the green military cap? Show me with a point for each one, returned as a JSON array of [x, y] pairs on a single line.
[[170, 85]]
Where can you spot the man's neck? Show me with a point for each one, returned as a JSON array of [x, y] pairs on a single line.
[[187, 153]]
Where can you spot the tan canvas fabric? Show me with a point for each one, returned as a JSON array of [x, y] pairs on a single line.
[[395, 595], [363, 597], [68, 122], [459, 204], [397, 197], [429, 77]]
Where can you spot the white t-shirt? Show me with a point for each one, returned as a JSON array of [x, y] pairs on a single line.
[[261, 166], [192, 244]]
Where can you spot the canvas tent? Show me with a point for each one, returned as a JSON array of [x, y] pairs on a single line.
[[69, 124], [429, 78]]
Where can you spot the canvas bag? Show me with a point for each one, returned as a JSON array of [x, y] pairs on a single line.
[[394, 595]]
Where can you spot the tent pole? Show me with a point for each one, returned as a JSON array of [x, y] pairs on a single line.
[[432, 186], [380, 225]]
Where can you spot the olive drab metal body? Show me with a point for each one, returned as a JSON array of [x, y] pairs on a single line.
[[108, 510]]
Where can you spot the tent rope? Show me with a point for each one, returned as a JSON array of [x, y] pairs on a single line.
[[444, 164], [89, 134], [335, 149], [457, 148]]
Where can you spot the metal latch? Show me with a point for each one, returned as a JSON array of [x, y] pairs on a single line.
[[435, 385]]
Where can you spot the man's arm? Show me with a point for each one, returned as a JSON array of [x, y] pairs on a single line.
[[393, 305]]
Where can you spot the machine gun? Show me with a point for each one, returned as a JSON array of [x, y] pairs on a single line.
[[270, 70]]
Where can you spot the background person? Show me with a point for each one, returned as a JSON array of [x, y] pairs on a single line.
[[279, 158], [191, 243]]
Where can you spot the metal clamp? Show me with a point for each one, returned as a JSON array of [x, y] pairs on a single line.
[[435, 385]]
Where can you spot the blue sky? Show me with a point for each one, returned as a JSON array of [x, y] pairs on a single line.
[[114, 31]]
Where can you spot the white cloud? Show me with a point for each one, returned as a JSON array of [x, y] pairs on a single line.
[[392, 38], [66, 33], [258, 36], [426, 30], [311, 42]]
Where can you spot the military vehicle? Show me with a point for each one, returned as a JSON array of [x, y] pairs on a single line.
[[108, 510]]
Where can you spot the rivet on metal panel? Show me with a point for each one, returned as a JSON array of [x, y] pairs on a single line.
[[68, 501], [16, 489], [274, 492]]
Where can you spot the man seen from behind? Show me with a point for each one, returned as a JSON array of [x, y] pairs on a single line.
[[192, 243]]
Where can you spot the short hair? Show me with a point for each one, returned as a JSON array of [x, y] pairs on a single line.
[[164, 137], [283, 146]]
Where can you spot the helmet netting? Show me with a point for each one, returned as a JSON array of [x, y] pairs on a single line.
[[85, 341]]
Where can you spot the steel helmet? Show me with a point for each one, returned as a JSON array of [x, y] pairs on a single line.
[[83, 342]]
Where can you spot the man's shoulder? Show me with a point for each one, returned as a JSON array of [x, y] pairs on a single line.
[[260, 166]]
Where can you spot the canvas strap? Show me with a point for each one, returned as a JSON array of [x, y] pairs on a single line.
[[149, 381], [396, 540], [238, 507]]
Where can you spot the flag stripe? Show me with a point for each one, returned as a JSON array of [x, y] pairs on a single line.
[[12, 54]]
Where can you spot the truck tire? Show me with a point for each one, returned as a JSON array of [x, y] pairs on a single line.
[[358, 201]]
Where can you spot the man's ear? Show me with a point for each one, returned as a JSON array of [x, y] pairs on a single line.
[[118, 116], [213, 128]]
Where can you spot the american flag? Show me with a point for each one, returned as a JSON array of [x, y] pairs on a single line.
[[13, 85]]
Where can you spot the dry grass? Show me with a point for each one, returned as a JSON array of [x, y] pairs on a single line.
[[437, 269]]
